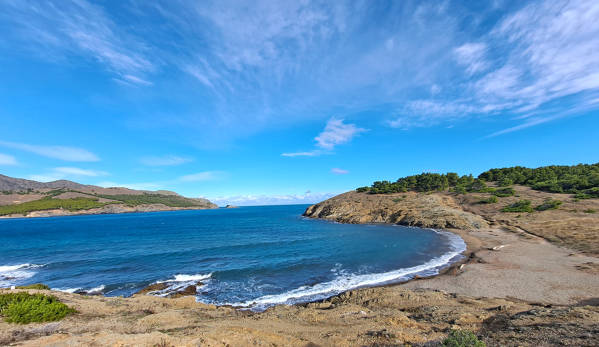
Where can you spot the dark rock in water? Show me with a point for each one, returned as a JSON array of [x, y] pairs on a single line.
[[231, 206], [152, 288], [83, 292], [187, 291]]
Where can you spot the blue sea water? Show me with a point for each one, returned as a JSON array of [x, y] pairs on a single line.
[[250, 256]]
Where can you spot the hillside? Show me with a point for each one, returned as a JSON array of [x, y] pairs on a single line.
[[27, 198], [557, 203]]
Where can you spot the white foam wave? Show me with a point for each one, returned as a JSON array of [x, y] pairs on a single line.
[[186, 278], [180, 282], [13, 274], [67, 290], [96, 290], [346, 282]]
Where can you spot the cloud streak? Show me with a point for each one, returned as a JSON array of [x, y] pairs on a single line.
[[167, 160], [64, 153], [7, 160]]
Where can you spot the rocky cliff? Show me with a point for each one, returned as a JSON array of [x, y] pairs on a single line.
[[422, 210]]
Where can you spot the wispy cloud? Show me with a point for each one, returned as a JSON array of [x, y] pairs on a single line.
[[167, 160], [541, 56], [60, 173], [202, 176], [338, 171], [472, 56], [78, 27], [284, 199], [56, 152], [6, 159], [336, 132]]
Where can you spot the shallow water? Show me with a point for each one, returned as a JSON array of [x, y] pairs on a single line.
[[249, 256]]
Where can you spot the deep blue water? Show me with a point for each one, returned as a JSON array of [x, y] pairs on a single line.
[[250, 256]]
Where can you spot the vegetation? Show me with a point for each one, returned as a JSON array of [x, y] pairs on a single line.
[[462, 338], [48, 203], [34, 286], [25, 308], [428, 182], [589, 210], [549, 205], [504, 192], [581, 180], [577, 179], [491, 200], [142, 199], [518, 206]]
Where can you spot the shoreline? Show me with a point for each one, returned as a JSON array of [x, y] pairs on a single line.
[[63, 213], [417, 312]]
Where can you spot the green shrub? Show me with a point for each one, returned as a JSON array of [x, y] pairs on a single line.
[[34, 286], [462, 338], [590, 210], [518, 206], [549, 205], [504, 192], [152, 198], [49, 203], [505, 182], [490, 200], [25, 308]]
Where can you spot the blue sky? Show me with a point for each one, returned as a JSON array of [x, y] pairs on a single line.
[[292, 101]]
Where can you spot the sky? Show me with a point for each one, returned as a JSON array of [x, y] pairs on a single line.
[[272, 102]]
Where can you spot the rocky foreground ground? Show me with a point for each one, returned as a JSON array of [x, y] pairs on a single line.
[[527, 280]]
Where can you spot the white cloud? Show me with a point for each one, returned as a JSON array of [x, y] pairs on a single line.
[[6, 159], [60, 173], [167, 160], [335, 133], [202, 176], [257, 200], [302, 154], [472, 56], [55, 152], [338, 171]]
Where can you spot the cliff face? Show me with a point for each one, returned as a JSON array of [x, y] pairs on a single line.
[[422, 210]]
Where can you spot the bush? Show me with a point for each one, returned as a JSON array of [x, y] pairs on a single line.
[[505, 182], [549, 205], [462, 338], [490, 200], [504, 192], [34, 286], [590, 210], [519, 206], [25, 308]]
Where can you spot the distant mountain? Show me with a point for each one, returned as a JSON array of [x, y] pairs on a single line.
[[21, 197]]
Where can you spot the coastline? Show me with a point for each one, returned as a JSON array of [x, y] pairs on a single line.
[[468, 295], [116, 209]]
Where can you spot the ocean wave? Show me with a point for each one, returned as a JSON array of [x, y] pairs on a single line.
[[180, 282], [13, 274], [187, 278], [345, 282]]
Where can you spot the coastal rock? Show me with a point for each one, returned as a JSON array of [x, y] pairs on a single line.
[[231, 206], [178, 292], [412, 209]]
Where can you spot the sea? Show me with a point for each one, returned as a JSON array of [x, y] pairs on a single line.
[[248, 257]]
